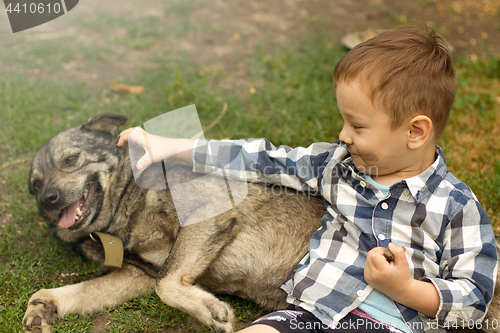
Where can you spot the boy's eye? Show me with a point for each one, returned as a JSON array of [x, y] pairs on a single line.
[[356, 126]]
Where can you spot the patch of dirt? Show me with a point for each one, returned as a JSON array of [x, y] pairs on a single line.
[[102, 323], [226, 30]]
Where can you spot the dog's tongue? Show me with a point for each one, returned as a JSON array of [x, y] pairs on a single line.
[[68, 214]]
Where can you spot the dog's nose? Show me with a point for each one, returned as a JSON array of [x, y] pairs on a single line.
[[51, 197]]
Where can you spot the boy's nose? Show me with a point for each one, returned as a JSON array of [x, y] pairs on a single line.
[[345, 137]]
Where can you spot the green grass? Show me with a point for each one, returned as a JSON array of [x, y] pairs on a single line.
[[293, 104]]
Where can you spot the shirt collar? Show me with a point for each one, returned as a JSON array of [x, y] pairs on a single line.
[[424, 184]]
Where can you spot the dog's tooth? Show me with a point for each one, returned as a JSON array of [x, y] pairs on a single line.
[[86, 193], [78, 211]]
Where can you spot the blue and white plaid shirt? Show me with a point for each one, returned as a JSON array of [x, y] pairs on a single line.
[[448, 237]]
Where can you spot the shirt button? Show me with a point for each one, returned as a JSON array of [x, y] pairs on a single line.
[[385, 205], [381, 237], [360, 293], [362, 183], [406, 192]]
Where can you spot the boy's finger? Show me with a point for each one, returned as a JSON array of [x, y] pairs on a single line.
[[399, 254], [124, 135], [396, 249], [139, 137], [122, 139], [376, 258], [126, 132]]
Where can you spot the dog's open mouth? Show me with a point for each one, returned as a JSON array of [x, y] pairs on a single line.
[[74, 215]]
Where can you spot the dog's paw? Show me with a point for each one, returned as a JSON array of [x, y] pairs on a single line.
[[222, 317], [40, 316]]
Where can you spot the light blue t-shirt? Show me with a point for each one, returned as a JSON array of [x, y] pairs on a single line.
[[378, 305], [382, 308], [383, 188]]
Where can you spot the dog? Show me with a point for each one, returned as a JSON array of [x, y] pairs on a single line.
[[85, 189]]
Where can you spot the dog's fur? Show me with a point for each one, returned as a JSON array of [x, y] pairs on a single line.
[[247, 251]]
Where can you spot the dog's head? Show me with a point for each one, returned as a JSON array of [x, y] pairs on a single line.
[[69, 176]]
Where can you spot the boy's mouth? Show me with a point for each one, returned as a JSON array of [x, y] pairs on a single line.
[[351, 151]]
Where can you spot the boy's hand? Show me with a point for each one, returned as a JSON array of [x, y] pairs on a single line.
[[390, 278], [394, 280], [156, 148], [123, 137], [152, 145]]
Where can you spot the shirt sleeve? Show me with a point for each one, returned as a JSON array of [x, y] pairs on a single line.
[[469, 268], [259, 160]]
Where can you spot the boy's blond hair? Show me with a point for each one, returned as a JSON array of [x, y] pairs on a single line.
[[408, 71]]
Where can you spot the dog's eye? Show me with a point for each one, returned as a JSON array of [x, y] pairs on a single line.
[[71, 160], [37, 183]]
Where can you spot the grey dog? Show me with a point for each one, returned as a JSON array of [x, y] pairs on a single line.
[[84, 185]]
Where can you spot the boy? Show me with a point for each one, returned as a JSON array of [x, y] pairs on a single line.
[[385, 184]]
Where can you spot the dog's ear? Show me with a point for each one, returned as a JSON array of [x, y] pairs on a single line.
[[106, 122]]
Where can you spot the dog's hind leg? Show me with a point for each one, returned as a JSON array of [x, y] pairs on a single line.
[[195, 248]]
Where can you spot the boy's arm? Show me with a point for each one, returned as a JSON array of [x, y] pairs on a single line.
[[157, 148], [469, 267], [249, 159], [260, 161]]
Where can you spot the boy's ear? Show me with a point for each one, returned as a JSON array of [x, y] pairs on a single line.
[[419, 131]]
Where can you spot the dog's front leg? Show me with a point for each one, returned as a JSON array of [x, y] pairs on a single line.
[[196, 247], [110, 290]]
